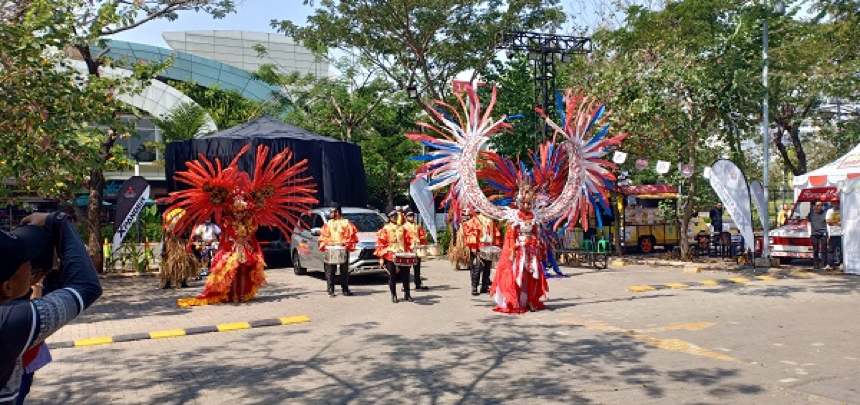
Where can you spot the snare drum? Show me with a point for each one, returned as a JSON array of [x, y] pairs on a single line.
[[405, 259], [421, 251], [490, 253], [335, 254], [433, 250]]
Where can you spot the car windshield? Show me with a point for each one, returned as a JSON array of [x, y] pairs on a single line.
[[366, 222]]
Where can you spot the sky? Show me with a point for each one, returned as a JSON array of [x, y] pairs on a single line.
[[250, 15]]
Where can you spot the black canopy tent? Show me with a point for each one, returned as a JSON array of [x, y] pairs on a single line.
[[336, 166]]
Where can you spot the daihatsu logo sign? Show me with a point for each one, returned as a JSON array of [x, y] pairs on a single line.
[[816, 194]]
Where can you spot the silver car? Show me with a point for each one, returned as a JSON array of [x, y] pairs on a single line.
[[304, 246]]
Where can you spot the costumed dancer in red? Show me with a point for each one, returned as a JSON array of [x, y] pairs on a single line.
[[574, 194], [274, 197]]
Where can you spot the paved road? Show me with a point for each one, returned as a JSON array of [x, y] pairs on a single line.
[[768, 342]]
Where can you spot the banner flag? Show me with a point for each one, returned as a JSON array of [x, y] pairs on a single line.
[[619, 157], [424, 200], [130, 201], [758, 198], [730, 184], [663, 166]]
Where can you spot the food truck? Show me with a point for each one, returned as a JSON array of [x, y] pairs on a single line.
[[792, 240]]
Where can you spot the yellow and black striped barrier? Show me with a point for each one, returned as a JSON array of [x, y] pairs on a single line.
[[172, 333], [708, 283]]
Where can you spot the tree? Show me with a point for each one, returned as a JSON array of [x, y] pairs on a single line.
[[424, 44], [182, 122], [345, 101], [91, 21], [515, 85], [228, 108], [386, 151]]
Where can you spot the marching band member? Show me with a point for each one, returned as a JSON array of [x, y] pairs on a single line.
[[481, 231], [338, 231], [418, 237], [391, 239]]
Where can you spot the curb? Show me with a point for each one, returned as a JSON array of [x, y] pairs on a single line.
[[709, 283], [198, 330]]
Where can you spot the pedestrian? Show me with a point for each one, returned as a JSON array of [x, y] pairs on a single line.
[[391, 240], [834, 231], [417, 237], [28, 253], [818, 230], [338, 232], [782, 217], [716, 215]]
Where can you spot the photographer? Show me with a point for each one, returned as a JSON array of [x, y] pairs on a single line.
[[26, 254]]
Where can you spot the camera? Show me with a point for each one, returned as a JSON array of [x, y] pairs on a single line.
[[44, 262]]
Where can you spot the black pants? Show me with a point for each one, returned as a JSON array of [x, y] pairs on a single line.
[[330, 270], [480, 270], [417, 274], [819, 248], [832, 248], [394, 273]]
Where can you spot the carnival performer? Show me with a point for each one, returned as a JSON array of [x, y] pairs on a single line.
[[458, 252], [480, 232], [177, 263], [338, 231], [576, 184], [275, 196], [417, 237], [390, 240]]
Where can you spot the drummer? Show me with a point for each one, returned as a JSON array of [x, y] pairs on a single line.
[[338, 231], [481, 232], [392, 239], [417, 237]]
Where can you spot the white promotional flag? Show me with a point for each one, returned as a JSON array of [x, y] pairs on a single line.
[[850, 196], [424, 200], [730, 184], [758, 198], [619, 157], [663, 167]]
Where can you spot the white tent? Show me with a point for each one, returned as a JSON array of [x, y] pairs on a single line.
[[846, 167], [850, 196]]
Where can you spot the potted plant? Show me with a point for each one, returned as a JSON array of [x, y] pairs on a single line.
[[145, 154]]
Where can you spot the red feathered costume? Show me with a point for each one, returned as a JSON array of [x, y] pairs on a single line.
[[275, 197]]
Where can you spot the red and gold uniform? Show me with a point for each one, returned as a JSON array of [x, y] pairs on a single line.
[[417, 237], [393, 238], [338, 232], [481, 231]]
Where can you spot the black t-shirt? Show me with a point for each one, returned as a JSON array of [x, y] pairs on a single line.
[[818, 222]]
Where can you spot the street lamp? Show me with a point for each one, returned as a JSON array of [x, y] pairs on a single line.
[[779, 9], [412, 92]]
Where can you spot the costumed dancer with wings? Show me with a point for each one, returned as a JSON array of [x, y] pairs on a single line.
[[575, 191], [274, 197]]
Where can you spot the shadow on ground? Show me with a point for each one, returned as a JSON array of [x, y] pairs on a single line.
[[502, 359]]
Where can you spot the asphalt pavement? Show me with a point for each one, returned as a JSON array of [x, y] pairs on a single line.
[[780, 341]]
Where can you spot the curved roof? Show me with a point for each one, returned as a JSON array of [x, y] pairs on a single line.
[[192, 69], [158, 99], [269, 127]]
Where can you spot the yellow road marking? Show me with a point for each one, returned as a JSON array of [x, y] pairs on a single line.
[[677, 285], [295, 319], [694, 326], [709, 282], [767, 278], [167, 333], [233, 326], [640, 288], [675, 345], [94, 341], [739, 280]]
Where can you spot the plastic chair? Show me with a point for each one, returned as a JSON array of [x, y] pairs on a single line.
[[602, 245], [588, 245]]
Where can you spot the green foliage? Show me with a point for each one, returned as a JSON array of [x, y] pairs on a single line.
[[426, 43], [444, 236], [515, 84], [182, 123], [228, 108]]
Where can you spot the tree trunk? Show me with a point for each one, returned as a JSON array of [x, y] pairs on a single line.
[[389, 192], [691, 195], [94, 228], [617, 216]]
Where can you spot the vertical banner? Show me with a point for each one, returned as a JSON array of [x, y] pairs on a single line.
[[730, 184], [758, 198], [129, 202], [850, 196], [424, 200]]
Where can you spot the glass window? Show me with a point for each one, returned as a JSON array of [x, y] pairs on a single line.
[[366, 222]]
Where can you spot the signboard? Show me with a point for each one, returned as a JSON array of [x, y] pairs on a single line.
[[130, 201], [819, 194]]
